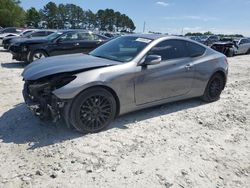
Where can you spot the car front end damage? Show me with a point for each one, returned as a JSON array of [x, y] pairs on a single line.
[[227, 48], [39, 97]]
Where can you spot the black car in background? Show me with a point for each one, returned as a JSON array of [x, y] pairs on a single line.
[[7, 41], [195, 38], [225, 46], [9, 30], [209, 40], [58, 43]]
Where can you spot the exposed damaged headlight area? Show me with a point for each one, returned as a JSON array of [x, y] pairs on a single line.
[[40, 99]]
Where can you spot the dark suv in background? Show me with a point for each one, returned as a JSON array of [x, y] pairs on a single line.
[[58, 43]]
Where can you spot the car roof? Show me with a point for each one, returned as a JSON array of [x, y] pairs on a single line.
[[156, 36], [148, 36]]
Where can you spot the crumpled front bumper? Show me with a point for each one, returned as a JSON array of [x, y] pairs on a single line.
[[46, 106]]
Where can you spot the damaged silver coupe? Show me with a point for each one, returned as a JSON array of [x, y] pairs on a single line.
[[126, 74]]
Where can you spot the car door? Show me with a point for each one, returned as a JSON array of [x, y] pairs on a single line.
[[66, 44], [172, 77]]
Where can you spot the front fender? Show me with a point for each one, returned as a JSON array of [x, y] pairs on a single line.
[[83, 81]]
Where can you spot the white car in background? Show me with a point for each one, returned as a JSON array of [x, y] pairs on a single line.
[[9, 31], [242, 46]]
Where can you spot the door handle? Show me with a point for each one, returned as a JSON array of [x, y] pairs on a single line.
[[188, 66], [77, 44]]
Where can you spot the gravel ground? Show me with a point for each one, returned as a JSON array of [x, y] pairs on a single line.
[[183, 144]]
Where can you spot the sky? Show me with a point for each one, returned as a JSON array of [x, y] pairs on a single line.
[[173, 16]]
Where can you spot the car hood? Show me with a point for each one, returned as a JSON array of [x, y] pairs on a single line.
[[63, 64]]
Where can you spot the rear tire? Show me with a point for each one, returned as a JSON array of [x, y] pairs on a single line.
[[93, 110], [214, 88]]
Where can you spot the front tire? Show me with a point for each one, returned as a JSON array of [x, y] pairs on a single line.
[[93, 110], [230, 52], [214, 88], [36, 55]]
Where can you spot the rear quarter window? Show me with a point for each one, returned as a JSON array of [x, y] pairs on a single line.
[[195, 50], [170, 49]]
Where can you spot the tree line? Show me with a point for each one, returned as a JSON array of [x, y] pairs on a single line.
[[210, 33], [63, 16]]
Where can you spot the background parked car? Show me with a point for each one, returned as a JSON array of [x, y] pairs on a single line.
[[59, 43], [195, 38], [24, 35], [126, 74], [209, 40], [225, 46], [231, 47], [9, 31], [242, 46]]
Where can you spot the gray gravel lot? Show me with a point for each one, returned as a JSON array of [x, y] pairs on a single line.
[[183, 144]]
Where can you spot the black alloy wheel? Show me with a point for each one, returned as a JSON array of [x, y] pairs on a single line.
[[93, 110], [214, 88]]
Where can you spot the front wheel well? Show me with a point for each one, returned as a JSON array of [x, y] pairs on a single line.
[[32, 52], [110, 90], [40, 50]]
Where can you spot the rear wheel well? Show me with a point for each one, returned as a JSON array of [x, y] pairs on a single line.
[[248, 51], [223, 75]]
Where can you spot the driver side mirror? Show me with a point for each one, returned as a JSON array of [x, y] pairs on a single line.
[[152, 60]]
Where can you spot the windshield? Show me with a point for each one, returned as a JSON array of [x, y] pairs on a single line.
[[53, 36], [26, 33], [122, 49]]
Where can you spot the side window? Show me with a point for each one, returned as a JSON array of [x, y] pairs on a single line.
[[244, 41], [69, 37], [98, 37], [27, 32], [38, 34], [10, 30], [195, 50], [170, 49], [86, 36]]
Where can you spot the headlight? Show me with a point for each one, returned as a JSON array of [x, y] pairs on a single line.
[[24, 48], [62, 81], [49, 84]]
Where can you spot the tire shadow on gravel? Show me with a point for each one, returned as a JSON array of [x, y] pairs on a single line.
[[20, 126], [3, 50], [14, 65]]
